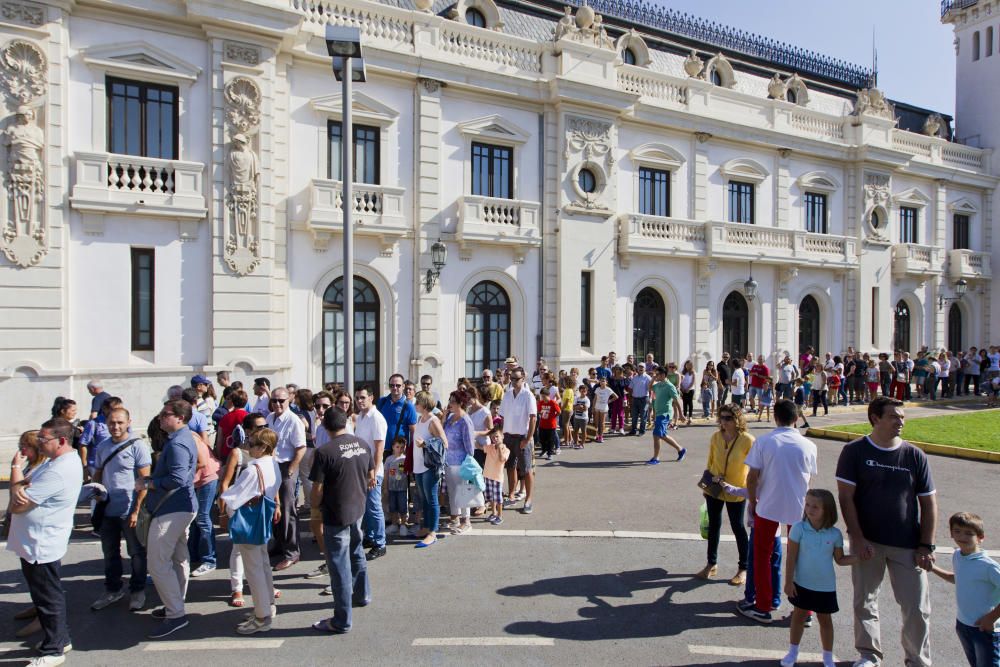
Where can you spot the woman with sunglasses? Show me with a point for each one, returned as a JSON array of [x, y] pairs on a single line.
[[27, 447], [727, 455]]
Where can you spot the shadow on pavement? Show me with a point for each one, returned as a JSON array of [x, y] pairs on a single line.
[[601, 620]]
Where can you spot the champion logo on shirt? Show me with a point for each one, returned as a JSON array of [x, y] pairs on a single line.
[[871, 463]]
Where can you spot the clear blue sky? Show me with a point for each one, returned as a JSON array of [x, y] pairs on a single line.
[[916, 59]]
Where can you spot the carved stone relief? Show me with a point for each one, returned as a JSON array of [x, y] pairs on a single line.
[[776, 88], [242, 228], [877, 200], [591, 142], [23, 69], [693, 65], [872, 102], [933, 125], [24, 13], [586, 27], [238, 52]]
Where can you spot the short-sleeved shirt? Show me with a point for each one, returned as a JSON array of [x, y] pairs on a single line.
[[602, 398], [395, 473], [516, 410], [291, 434], [814, 567], [977, 586], [640, 385], [120, 473], [198, 423], [98, 402], [603, 372], [399, 417], [495, 391], [739, 382], [787, 373], [226, 427], [41, 535], [371, 427], [664, 394], [786, 461], [548, 414], [342, 466], [758, 374], [581, 407], [887, 483], [725, 372], [994, 361]]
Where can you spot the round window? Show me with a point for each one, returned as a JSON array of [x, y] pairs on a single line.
[[876, 219], [587, 181]]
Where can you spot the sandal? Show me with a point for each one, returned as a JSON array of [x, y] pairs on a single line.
[[236, 599]]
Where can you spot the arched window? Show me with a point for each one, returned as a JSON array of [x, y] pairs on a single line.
[[487, 328], [366, 333], [475, 17], [955, 328], [628, 56], [901, 327], [716, 78], [791, 96], [808, 324], [648, 325], [735, 325]]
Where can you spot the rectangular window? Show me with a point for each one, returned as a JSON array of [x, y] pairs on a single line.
[[989, 42], [142, 119], [492, 171], [654, 192], [908, 225], [875, 311], [741, 202], [586, 294], [143, 306], [366, 163], [816, 213], [960, 232], [975, 45]]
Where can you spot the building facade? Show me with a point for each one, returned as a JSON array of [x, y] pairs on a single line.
[[173, 199]]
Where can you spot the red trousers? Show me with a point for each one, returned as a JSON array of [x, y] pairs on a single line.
[[896, 389], [764, 531]]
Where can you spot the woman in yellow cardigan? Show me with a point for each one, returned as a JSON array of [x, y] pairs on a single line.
[[726, 455]]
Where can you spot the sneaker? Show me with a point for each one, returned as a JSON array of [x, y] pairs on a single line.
[[789, 660], [519, 495], [168, 627], [46, 660], [509, 502], [251, 614], [203, 569], [808, 623], [497, 520], [681, 454], [136, 600], [375, 552], [328, 590], [653, 462], [320, 571], [865, 661], [253, 626], [755, 615], [548, 457], [527, 509], [108, 599], [743, 604]]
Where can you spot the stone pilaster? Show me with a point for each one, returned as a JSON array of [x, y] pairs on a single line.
[[702, 321], [427, 193], [699, 176], [783, 314], [853, 210], [987, 285], [782, 180], [550, 234]]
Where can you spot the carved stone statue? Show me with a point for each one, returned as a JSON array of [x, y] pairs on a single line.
[[24, 167], [871, 101], [776, 88], [933, 125], [693, 65], [566, 24], [243, 176], [586, 27]]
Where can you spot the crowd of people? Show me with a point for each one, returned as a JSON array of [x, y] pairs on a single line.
[[366, 469]]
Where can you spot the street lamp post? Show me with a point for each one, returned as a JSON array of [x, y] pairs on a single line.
[[344, 46]]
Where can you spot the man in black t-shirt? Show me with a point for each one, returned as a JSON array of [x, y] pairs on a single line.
[[889, 504], [725, 370], [342, 473]]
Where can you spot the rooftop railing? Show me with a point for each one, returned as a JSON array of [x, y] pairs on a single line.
[[947, 5]]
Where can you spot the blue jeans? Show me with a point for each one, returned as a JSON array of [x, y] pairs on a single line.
[[374, 520], [201, 536], [982, 649], [345, 561], [112, 529], [750, 592], [428, 481], [639, 415]]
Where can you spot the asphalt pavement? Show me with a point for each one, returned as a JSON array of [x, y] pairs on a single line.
[[599, 573]]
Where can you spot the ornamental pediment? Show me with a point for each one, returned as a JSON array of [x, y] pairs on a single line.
[[494, 127], [362, 106], [140, 59], [912, 197]]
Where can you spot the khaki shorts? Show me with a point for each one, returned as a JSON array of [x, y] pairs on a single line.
[[519, 459]]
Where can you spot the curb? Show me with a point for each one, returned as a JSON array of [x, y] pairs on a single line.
[[928, 447]]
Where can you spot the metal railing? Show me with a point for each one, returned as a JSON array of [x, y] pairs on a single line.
[[947, 5]]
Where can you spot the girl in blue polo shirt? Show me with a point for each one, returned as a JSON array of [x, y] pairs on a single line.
[[814, 545]]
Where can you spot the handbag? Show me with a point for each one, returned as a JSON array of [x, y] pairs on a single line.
[[472, 472], [145, 518], [709, 486], [97, 514], [251, 522], [467, 494]]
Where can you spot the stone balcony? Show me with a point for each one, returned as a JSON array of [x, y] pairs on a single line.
[[912, 259], [377, 210], [968, 264], [491, 220], [653, 235], [112, 184]]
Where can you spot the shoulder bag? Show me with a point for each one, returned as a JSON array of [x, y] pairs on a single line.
[[709, 486], [101, 506], [251, 522]]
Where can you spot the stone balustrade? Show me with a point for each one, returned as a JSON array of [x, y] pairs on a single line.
[[916, 260], [969, 264], [492, 220], [377, 210]]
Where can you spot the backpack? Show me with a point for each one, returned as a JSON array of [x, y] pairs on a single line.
[[237, 438], [433, 453]]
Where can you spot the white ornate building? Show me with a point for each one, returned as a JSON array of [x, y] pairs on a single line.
[[172, 203]]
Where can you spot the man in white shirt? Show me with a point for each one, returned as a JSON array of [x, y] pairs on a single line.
[[371, 428], [41, 523], [289, 452], [739, 383], [639, 391], [781, 464], [520, 414], [262, 390]]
